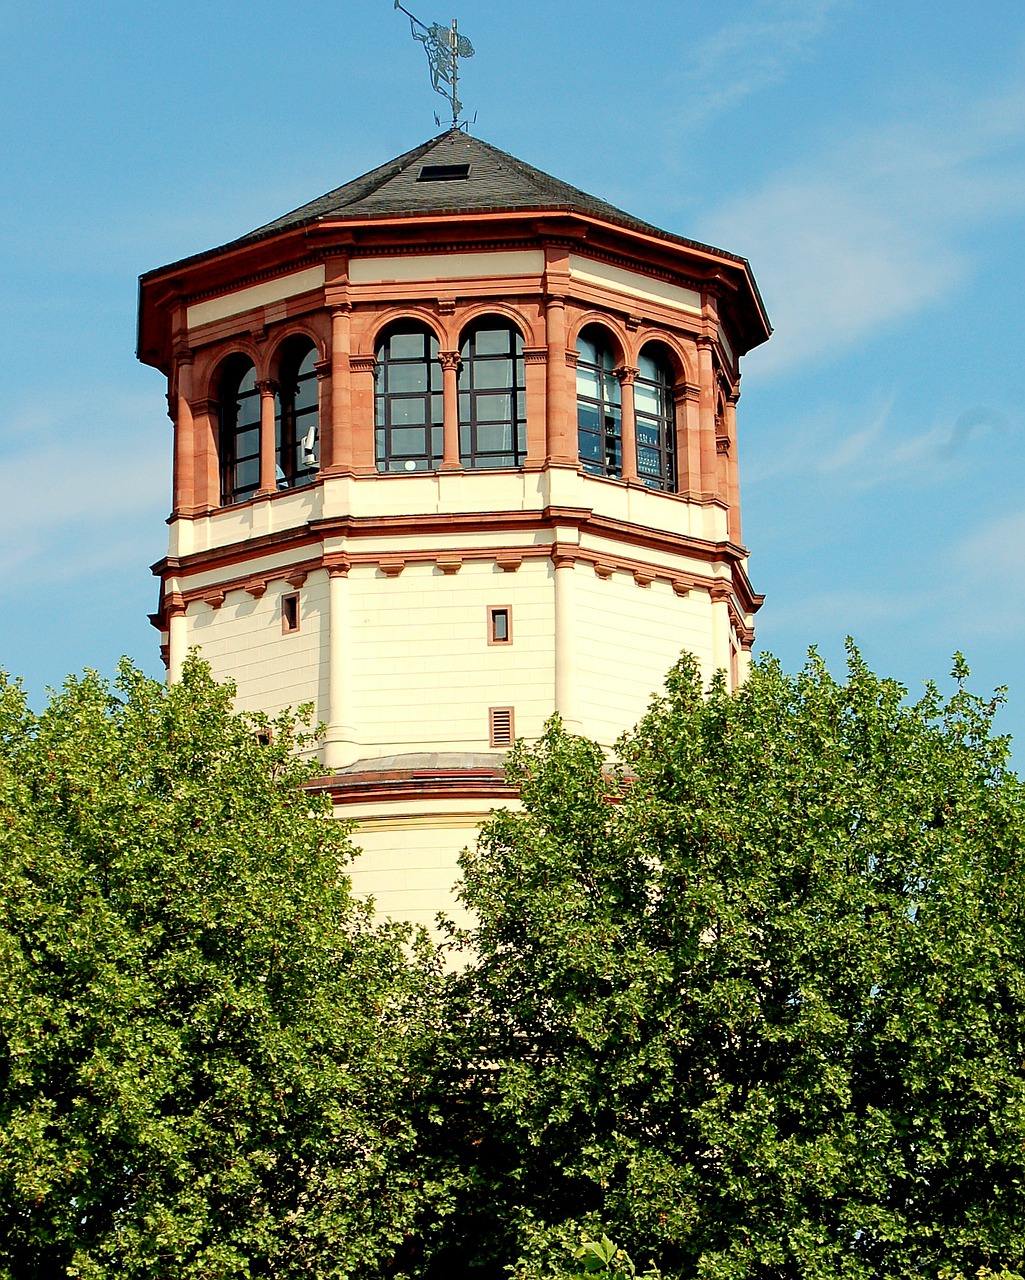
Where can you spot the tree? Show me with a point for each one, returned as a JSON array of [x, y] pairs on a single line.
[[755, 1001], [205, 1043]]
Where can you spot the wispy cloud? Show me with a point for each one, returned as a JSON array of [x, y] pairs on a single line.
[[67, 502], [877, 227], [751, 54], [871, 446]]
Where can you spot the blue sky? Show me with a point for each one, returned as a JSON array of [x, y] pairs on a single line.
[[868, 158]]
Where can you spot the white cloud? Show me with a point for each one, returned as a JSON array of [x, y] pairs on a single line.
[[751, 54], [67, 502], [875, 228]]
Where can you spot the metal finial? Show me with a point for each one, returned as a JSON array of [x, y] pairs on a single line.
[[444, 46]]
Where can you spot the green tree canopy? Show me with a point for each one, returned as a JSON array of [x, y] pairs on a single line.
[[205, 1044], [756, 1003]]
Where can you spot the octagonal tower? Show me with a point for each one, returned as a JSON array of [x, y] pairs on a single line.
[[454, 448]]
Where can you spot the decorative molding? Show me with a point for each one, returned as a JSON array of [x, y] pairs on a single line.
[[337, 567], [535, 355], [323, 368], [644, 577], [214, 599], [633, 323], [722, 444], [446, 306], [681, 587], [509, 561], [391, 567], [449, 564], [297, 578], [720, 591], [363, 364], [604, 569], [256, 587]]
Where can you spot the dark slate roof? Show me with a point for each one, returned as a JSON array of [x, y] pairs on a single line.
[[496, 181]]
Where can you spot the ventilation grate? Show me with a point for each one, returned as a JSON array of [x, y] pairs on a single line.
[[443, 172], [501, 726]]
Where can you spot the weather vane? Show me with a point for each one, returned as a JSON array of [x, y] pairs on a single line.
[[444, 46]]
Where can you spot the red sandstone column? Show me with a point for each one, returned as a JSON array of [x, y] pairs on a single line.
[[361, 386], [706, 418], [686, 400], [626, 377], [535, 371], [336, 446], [268, 458], [733, 468], [450, 387], [184, 487]]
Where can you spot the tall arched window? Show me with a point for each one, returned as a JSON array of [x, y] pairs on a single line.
[[599, 406], [656, 420], [492, 396], [239, 430], [297, 420], [408, 411]]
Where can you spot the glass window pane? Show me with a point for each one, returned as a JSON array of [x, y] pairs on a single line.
[[407, 346], [247, 444], [588, 417], [464, 406], [437, 376], [493, 342], [247, 474], [648, 462], [438, 443], [308, 368], [248, 382], [647, 434], [407, 377], [494, 439], [650, 368], [306, 395], [587, 350], [587, 383], [408, 411], [466, 441], [521, 405], [612, 389], [379, 407], [492, 373], [494, 408], [407, 440], [437, 409], [646, 398], [590, 446]]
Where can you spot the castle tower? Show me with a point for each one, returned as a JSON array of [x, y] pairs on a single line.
[[454, 448]]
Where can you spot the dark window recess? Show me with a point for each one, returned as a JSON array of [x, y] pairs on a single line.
[[290, 613], [297, 416], [501, 726], [239, 431], [492, 397], [443, 172], [599, 406], [500, 630], [656, 421], [408, 415]]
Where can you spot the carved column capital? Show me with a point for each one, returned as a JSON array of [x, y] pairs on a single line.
[[267, 387], [720, 591], [449, 359], [627, 374]]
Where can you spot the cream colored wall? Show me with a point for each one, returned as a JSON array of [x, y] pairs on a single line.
[[423, 674], [242, 640], [409, 861], [628, 637]]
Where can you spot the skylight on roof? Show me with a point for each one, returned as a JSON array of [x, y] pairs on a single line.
[[443, 172]]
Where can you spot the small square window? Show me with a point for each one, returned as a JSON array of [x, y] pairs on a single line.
[[290, 613], [499, 624], [502, 732]]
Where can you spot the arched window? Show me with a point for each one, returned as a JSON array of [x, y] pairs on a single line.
[[492, 396], [239, 431], [297, 420], [656, 420], [599, 406], [408, 411]]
